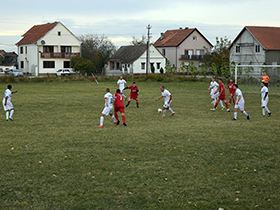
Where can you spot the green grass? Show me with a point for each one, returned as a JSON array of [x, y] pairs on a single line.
[[53, 156]]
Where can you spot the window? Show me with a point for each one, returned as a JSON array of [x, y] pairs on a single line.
[[188, 52], [59, 33], [66, 64], [237, 49], [21, 64], [21, 50], [158, 65], [66, 49], [152, 64], [118, 65], [47, 49], [48, 64], [194, 38], [163, 52], [142, 65], [25, 49], [112, 65], [200, 52], [258, 49]]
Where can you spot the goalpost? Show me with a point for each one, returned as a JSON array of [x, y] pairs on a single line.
[[253, 66]]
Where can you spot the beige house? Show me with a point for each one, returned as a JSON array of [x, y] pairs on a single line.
[[183, 45]]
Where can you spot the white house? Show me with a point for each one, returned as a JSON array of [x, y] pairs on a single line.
[[46, 48], [132, 60]]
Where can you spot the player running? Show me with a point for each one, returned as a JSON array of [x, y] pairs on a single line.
[[167, 101], [133, 94], [119, 107], [120, 85], [264, 99], [213, 87], [7, 104], [231, 91], [222, 95], [108, 109], [240, 103]]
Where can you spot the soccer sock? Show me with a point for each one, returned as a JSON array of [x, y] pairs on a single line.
[[116, 116], [11, 113], [226, 105], [230, 100], [264, 109], [128, 102], [235, 115], [215, 100], [233, 101], [216, 104], [123, 118], [221, 102], [163, 112], [101, 120], [171, 110], [267, 109], [137, 103], [7, 115], [244, 112], [113, 117]]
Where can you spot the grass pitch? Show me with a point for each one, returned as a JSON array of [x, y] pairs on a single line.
[[53, 156]]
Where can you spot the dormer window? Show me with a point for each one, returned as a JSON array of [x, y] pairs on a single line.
[[59, 33], [194, 38]]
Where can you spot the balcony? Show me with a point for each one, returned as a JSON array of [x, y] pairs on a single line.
[[59, 55], [192, 57]]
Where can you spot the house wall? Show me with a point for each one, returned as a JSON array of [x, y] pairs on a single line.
[[248, 52], [273, 58], [170, 54], [29, 58]]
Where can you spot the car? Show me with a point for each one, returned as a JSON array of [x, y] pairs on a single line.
[[62, 72], [15, 72]]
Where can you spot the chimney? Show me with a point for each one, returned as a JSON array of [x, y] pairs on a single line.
[[186, 28], [161, 36], [180, 28]]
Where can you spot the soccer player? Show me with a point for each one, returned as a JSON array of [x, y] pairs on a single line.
[[7, 104], [222, 95], [213, 87], [265, 79], [167, 101], [120, 85], [119, 107], [231, 91], [264, 99], [133, 94], [240, 103], [108, 109]]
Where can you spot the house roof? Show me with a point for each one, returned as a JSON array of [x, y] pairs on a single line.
[[173, 38], [268, 37], [128, 54], [36, 32]]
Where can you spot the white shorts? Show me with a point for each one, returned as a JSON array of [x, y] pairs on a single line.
[[264, 102], [240, 105], [8, 106], [215, 96], [166, 105], [107, 110]]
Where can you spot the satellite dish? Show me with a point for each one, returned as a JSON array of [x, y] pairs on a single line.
[[43, 42]]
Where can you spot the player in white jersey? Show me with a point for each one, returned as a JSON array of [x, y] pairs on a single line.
[[7, 104], [214, 96], [167, 101], [239, 103], [120, 85], [264, 99], [108, 109]]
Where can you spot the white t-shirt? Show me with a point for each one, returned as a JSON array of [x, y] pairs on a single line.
[[263, 91], [166, 95], [9, 94], [239, 93], [214, 85], [121, 83], [110, 99]]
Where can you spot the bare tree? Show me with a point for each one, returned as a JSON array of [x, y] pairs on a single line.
[[139, 41]]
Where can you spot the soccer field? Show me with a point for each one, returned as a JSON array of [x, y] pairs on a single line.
[[53, 156]]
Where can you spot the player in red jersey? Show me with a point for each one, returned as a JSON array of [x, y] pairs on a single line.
[[222, 95], [133, 94], [231, 91], [119, 107]]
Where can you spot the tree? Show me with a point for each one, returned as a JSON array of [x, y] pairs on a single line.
[[219, 54], [97, 49], [82, 65], [153, 69], [169, 68], [139, 41]]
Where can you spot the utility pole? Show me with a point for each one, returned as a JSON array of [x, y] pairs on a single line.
[[148, 51]]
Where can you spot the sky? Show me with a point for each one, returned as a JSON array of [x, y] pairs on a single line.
[[120, 20]]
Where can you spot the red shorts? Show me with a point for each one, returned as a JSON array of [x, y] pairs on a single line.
[[134, 97], [222, 97], [119, 109]]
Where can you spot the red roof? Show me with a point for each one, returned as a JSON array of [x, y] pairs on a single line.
[[173, 38], [269, 37], [36, 32]]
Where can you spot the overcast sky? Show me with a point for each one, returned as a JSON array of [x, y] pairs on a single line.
[[119, 20]]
